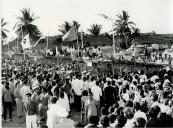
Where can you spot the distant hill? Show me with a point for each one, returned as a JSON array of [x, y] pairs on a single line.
[[54, 41]]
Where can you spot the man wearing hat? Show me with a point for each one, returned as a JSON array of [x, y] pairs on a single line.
[[30, 108]]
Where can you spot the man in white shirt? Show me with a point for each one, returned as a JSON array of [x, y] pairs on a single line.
[[25, 90], [92, 82], [154, 77], [63, 101], [143, 76], [97, 93], [129, 114], [35, 83], [77, 88], [138, 112]]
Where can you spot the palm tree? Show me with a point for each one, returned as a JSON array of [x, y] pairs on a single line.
[[25, 25], [75, 23], [124, 27], [3, 30], [135, 33], [95, 29], [65, 27]]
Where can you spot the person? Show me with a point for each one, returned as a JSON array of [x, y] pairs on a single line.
[[43, 104], [155, 100], [55, 113], [18, 99], [104, 121], [42, 123], [35, 94], [97, 93], [125, 95], [92, 122], [91, 106], [77, 88], [67, 87], [154, 77], [84, 98], [109, 94], [30, 108], [121, 121], [63, 101], [51, 117], [138, 112], [25, 89], [7, 98], [112, 119], [139, 123], [92, 82], [129, 114], [154, 121]]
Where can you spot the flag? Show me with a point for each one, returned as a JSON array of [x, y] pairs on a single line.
[[5, 41], [26, 42], [9, 39], [70, 35], [106, 17]]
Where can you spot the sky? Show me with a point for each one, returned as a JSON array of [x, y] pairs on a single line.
[[149, 15]]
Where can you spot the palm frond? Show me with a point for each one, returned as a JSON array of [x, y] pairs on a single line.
[[3, 29]]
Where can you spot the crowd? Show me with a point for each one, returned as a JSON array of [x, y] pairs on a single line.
[[153, 55], [83, 52], [46, 94]]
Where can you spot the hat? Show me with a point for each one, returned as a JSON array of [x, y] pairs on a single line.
[[28, 94], [128, 110]]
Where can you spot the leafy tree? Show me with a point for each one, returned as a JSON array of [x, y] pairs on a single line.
[[3, 30], [95, 29], [25, 24]]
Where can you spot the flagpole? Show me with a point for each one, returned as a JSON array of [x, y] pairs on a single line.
[[47, 43], [8, 48], [77, 47], [77, 42], [113, 41], [17, 45], [82, 40]]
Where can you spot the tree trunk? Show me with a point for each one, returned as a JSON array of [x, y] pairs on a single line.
[[126, 41]]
